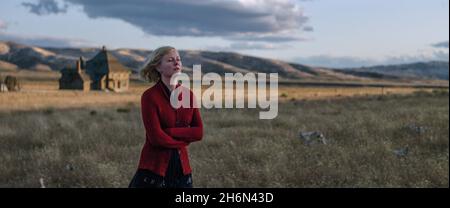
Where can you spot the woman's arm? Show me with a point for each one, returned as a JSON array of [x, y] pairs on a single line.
[[188, 134], [155, 135]]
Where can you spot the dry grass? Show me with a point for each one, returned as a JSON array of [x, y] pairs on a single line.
[[288, 93], [100, 147], [40, 95]]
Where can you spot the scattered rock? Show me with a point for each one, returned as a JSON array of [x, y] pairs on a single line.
[[313, 137], [69, 167], [402, 152], [417, 129]]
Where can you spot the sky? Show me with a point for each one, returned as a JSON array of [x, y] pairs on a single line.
[[332, 33]]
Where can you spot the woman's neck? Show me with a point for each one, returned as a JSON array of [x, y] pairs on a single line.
[[166, 81]]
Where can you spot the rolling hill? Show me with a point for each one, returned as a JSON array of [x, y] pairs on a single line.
[[15, 55], [421, 70]]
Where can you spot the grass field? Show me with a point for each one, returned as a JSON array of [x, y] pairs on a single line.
[[41, 95], [100, 146]]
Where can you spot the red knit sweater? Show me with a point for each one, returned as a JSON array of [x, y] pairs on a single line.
[[167, 129]]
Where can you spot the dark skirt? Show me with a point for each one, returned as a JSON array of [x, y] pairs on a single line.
[[174, 176]]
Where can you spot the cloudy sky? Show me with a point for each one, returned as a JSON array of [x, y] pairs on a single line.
[[338, 33]]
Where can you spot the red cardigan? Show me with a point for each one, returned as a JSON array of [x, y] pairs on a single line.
[[166, 129]]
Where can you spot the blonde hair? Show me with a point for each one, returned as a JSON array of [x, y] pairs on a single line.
[[149, 71]]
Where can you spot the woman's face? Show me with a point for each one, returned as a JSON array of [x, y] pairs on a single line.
[[170, 64]]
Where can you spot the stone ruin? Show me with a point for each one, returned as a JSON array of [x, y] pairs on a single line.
[[9, 84]]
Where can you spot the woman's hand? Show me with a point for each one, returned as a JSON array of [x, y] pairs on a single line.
[[187, 134]]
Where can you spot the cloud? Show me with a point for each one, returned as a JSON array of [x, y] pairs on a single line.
[[353, 62], [44, 41], [441, 55], [308, 29], [267, 38], [443, 44], [45, 7], [226, 18], [239, 46], [252, 46]]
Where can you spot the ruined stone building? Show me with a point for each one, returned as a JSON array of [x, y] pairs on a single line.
[[10, 84], [76, 79], [103, 72]]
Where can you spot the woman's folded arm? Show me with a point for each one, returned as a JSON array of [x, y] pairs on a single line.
[[188, 134]]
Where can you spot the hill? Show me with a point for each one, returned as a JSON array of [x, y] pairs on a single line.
[[45, 59]]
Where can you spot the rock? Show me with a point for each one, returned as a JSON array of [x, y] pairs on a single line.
[[69, 167], [402, 152], [417, 129], [313, 137]]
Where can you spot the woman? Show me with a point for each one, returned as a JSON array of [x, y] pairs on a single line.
[[164, 161]]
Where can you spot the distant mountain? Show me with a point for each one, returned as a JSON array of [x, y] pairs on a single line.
[[421, 70], [43, 59], [30, 57], [36, 58]]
